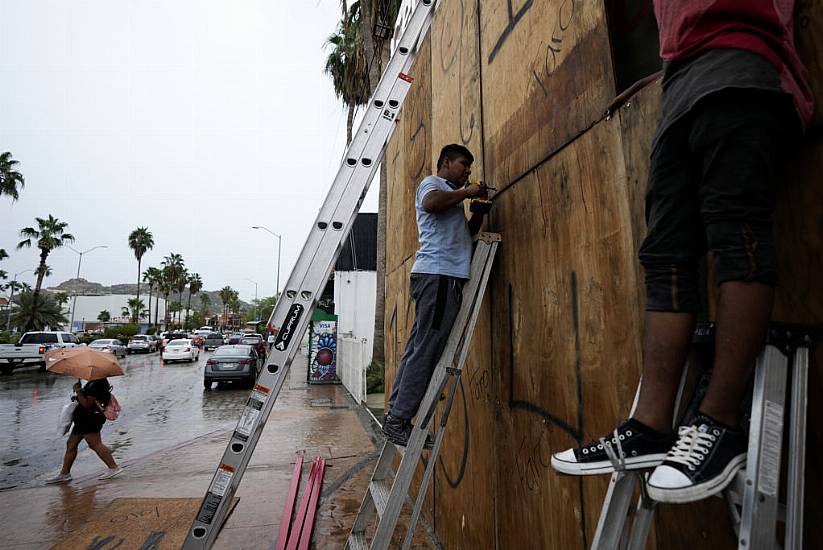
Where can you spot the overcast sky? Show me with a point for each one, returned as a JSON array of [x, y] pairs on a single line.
[[194, 118]]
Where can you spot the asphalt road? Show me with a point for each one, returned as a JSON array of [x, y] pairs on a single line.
[[163, 406]]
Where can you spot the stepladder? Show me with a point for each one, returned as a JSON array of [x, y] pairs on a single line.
[[293, 310], [756, 504], [387, 492]]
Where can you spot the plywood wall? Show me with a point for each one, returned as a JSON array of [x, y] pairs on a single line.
[[555, 361]]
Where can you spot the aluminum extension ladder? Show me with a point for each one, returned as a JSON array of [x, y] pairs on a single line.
[[385, 498], [311, 272], [753, 494]]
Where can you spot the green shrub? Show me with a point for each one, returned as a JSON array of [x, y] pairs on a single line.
[[7, 338], [375, 377], [122, 332], [151, 330], [87, 339]]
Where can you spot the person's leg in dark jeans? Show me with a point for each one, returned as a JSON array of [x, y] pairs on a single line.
[[437, 301]]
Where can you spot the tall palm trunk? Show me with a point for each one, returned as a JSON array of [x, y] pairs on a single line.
[[156, 309], [349, 124], [41, 272], [137, 314]]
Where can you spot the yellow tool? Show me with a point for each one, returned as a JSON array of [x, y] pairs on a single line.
[[481, 206]]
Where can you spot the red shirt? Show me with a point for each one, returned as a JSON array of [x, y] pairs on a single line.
[[765, 27]]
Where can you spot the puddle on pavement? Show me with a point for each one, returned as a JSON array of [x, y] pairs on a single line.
[[162, 407]]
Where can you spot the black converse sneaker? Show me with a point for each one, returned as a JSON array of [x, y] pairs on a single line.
[[398, 431], [632, 446], [703, 462]]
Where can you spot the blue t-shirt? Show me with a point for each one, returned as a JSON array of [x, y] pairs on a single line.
[[445, 241]]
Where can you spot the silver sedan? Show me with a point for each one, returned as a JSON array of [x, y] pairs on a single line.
[[111, 345]]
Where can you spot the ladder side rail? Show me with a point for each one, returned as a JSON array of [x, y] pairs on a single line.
[[475, 311], [352, 170], [797, 450], [481, 255], [461, 361], [380, 102], [615, 511], [757, 529], [296, 309], [611, 525], [402, 480]]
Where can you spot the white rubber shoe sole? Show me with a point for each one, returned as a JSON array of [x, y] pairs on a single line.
[[565, 463], [691, 493]]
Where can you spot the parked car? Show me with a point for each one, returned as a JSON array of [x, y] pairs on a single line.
[[257, 341], [31, 348], [238, 363], [169, 336], [213, 341], [111, 345], [141, 343], [181, 350]]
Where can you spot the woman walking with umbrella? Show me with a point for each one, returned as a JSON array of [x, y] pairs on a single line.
[[92, 399]]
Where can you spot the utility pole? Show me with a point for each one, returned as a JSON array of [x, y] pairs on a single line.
[[79, 260], [279, 246]]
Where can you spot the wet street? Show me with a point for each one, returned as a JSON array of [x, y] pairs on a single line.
[[163, 406]]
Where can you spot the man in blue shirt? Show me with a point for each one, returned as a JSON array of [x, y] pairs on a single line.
[[441, 267]]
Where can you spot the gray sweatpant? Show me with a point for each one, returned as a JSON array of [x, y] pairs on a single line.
[[436, 304]]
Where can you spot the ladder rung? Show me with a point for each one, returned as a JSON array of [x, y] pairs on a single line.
[[380, 495], [357, 541], [737, 487]]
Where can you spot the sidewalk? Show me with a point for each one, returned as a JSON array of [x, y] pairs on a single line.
[[166, 487]]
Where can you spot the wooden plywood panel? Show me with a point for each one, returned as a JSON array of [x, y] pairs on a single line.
[[566, 337], [463, 487], [465, 474], [809, 40], [456, 80], [399, 317], [396, 208], [546, 77], [416, 127]]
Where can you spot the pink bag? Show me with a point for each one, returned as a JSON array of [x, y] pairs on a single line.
[[112, 410]]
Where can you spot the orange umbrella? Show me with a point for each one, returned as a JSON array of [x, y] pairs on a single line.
[[82, 362]]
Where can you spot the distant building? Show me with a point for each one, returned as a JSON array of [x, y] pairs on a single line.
[[355, 291], [88, 308]]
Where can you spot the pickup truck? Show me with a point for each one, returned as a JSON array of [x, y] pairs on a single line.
[[31, 348]]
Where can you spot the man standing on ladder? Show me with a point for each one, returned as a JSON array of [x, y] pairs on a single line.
[[735, 100], [440, 269]]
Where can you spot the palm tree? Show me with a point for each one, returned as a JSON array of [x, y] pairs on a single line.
[[347, 65], [9, 177], [195, 286], [104, 316], [226, 294], [140, 240], [137, 308], [3, 274], [49, 235], [152, 276], [36, 311], [173, 268], [182, 281], [165, 288]]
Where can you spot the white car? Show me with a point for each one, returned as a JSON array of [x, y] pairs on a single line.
[[181, 350]]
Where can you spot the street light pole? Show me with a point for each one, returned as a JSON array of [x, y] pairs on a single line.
[[11, 297], [80, 259], [279, 246]]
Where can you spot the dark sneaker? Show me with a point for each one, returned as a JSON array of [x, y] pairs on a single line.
[[703, 462], [632, 446], [398, 431]]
